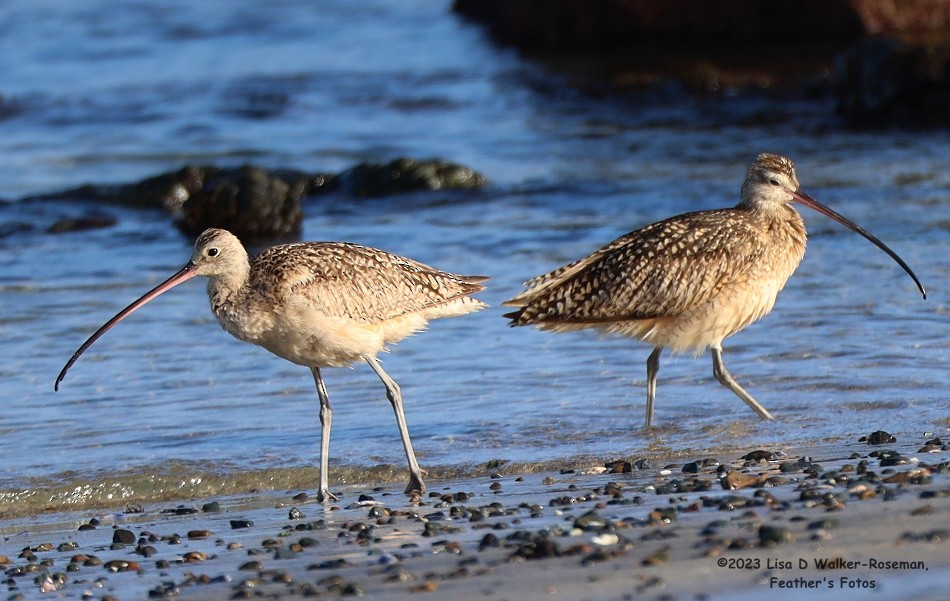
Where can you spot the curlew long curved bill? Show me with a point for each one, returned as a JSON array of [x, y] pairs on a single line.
[[810, 202], [185, 273]]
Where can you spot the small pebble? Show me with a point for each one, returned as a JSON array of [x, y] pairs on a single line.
[[769, 536], [124, 537], [604, 540], [238, 524], [736, 480], [428, 586], [660, 557], [198, 534], [878, 437]]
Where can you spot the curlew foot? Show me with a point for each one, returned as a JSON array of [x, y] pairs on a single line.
[[325, 496], [416, 485]]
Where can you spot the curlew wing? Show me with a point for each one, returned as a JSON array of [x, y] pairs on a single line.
[[660, 270], [358, 282]]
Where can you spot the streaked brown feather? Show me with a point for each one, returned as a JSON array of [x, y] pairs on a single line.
[[664, 269], [356, 282]]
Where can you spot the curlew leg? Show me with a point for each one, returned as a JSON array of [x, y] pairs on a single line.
[[653, 366], [395, 397], [326, 417], [725, 378]]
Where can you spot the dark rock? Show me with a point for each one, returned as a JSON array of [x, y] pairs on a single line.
[[250, 202], [591, 521], [769, 536], [212, 507], [892, 460], [823, 524], [166, 589], [759, 455], [691, 468], [124, 537], [719, 46], [488, 541], [879, 437], [408, 175], [164, 191], [79, 224], [727, 503], [610, 25], [330, 564], [662, 515], [616, 24], [676, 485], [352, 589], [618, 466], [540, 548], [795, 466], [198, 534]]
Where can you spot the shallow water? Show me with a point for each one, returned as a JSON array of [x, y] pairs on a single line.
[[100, 93]]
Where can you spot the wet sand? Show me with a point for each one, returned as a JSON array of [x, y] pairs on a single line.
[[656, 532]]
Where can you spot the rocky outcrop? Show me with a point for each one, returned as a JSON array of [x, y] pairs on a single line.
[[259, 204], [794, 46], [408, 175], [569, 24], [250, 202]]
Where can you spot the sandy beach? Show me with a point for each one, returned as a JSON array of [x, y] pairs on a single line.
[[828, 523]]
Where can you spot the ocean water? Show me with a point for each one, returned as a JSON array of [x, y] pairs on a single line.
[[96, 92]]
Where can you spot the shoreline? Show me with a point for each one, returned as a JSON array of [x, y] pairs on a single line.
[[668, 530], [185, 480]]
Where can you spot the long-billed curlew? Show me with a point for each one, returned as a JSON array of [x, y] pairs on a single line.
[[688, 282], [319, 304]]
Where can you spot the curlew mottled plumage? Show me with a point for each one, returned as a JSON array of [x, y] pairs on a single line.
[[320, 304], [688, 282]]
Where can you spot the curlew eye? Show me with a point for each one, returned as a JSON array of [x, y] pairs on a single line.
[[212, 252], [774, 182]]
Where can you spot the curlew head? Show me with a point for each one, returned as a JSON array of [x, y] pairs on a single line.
[[218, 254], [771, 181]]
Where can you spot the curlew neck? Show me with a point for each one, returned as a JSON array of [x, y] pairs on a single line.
[[221, 257], [228, 288]]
